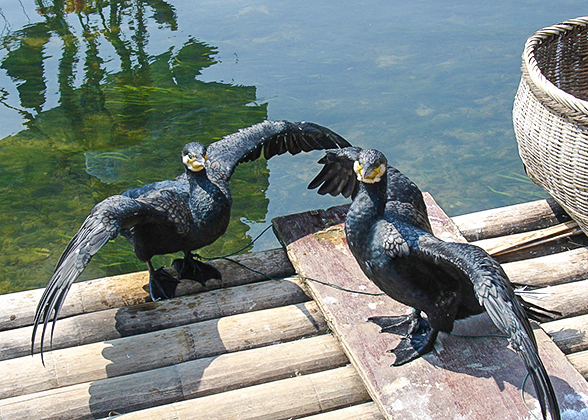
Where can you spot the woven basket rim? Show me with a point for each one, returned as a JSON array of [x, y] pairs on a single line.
[[535, 75]]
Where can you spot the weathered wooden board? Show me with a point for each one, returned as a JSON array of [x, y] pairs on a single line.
[[471, 378], [153, 316], [187, 380], [284, 399], [123, 356], [17, 309]]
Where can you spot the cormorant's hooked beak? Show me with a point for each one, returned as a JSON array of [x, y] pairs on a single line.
[[193, 163], [369, 175]]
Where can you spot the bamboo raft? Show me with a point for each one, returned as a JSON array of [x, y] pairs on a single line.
[[248, 347]]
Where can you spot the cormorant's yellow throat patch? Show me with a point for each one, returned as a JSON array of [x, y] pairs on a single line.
[[193, 164], [370, 177]]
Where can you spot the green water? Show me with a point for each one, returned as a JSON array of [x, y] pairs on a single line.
[[100, 96]]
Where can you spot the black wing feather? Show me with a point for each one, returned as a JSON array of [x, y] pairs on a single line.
[[337, 176], [98, 228], [274, 138], [104, 223]]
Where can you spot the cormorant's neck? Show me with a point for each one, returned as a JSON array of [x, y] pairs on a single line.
[[370, 201], [201, 183], [197, 179]]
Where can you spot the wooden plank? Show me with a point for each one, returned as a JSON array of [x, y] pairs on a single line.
[[570, 334], [182, 381], [366, 411], [284, 399], [461, 378], [153, 316], [154, 350], [17, 309], [510, 219]]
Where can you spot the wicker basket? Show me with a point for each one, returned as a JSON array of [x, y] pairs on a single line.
[[550, 114]]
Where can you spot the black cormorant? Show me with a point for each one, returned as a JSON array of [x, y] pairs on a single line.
[[389, 235], [184, 214]]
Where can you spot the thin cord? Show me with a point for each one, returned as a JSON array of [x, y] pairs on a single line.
[[523, 397], [479, 336], [336, 286], [237, 251], [226, 257]]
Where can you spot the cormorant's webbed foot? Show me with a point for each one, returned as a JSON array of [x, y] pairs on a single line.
[[404, 325], [192, 269], [415, 345], [418, 336], [162, 285]]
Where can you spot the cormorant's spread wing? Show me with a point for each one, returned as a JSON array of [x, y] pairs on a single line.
[[179, 185], [103, 224], [337, 176], [495, 293], [272, 138]]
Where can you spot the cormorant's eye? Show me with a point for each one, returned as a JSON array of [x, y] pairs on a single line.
[[190, 156]]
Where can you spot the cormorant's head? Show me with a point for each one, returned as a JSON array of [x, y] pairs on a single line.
[[194, 156], [370, 166]]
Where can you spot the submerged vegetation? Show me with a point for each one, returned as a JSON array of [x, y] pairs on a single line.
[[108, 91], [109, 132]]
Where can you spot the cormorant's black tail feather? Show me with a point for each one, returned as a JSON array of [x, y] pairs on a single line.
[[540, 378]]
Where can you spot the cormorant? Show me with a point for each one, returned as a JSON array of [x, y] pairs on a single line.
[[389, 235], [184, 214]]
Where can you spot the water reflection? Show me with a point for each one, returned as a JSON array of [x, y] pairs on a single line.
[[111, 130]]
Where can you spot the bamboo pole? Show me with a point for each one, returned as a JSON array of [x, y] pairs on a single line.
[[153, 316], [567, 300], [570, 334], [17, 309], [203, 377], [580, 362], [365, 411], [127, 355], [510, 219], [285, 399], [549, 270]]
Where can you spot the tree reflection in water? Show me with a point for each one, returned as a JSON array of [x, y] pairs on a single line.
[[111, 130]]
